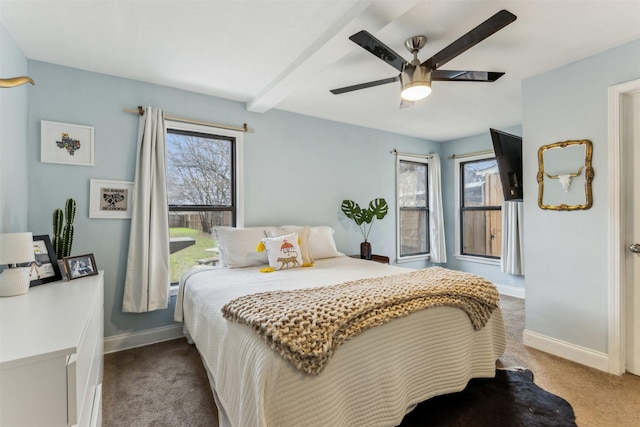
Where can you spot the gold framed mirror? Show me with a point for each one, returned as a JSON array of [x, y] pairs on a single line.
[[564, 175]]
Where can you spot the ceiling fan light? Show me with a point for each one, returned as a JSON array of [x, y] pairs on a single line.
[[415, 91], [416, 83]]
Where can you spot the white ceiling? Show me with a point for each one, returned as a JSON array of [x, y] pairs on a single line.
[[287, 54]]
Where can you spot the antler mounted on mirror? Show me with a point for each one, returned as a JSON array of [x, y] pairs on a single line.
[[16, 81], [557, 156], [565, 179]]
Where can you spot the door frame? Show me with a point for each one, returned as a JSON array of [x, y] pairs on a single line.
[[617, 224]]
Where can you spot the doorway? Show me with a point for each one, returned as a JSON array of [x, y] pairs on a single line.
[[631, 144], [624, 226]]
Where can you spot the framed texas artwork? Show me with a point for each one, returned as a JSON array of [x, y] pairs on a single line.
[[66, 143]]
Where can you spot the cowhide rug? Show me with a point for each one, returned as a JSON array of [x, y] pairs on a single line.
[[511, 399]]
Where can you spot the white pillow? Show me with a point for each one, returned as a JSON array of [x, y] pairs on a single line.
[[237, 246], [216, 235], [321, 243], [303, 236], [283, 251]]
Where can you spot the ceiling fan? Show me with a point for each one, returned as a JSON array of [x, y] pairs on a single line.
[[415, 77]]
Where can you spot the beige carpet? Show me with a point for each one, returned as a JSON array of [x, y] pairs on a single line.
[[165, 384], [598, 399]]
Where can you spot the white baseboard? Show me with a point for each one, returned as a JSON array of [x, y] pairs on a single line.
[[575, 353], [139, 339], [511, 291]]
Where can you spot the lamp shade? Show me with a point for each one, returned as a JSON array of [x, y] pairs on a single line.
[[416, 82], [16, 248]]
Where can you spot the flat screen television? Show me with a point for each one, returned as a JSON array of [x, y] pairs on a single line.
[[508, 149]]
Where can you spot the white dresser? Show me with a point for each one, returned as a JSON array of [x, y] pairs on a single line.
[[51, 355]]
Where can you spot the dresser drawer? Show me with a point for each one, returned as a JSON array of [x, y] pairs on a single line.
[[88, 367]]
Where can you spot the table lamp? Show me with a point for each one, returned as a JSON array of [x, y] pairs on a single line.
[[15, 248]]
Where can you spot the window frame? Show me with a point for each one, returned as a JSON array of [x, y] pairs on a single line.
[[458, 210], [238, 154], [238, 170], [413, 257]]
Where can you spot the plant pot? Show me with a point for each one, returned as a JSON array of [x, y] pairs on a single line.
[[365, 250], [63, 272]]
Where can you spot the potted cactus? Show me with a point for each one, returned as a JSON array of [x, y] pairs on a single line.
[[63, 234]]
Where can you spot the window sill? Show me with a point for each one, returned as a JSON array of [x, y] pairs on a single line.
[[478, 260], [173, 290], [413, 259]]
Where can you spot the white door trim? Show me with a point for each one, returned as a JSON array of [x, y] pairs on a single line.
[[617, 312]]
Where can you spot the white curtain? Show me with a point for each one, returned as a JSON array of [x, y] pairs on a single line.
[[436, 218], [512, 259], [146, 285]]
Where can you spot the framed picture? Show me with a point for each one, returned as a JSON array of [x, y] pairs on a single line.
[[45, 268], [110, 199], [80, 266], [66, 143]]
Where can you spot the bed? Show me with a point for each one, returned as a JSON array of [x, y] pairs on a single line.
[[372, 379]]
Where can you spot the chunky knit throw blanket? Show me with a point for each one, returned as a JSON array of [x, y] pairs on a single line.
[[305, 326]]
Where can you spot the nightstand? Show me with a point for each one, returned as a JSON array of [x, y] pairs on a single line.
[[377, 258]]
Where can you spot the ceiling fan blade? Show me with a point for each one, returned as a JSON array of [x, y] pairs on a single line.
[[379, 49], [466, 76], [364, 85], [472, 38]]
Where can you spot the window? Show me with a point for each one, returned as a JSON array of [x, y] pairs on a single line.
[[413, 207], [202, 190], [479, 203]]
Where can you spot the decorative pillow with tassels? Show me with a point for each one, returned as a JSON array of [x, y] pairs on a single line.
[[283, 252], [303, 240]]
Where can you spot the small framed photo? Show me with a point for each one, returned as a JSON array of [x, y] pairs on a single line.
[[66, 143], [45, 268], [110, 199], [80, 266]]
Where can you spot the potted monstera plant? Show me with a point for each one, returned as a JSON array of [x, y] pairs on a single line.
[[364, 219]]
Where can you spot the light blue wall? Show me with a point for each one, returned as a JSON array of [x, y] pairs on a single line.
[[467, 145], [13, 139], [566, 252], [298, 169]]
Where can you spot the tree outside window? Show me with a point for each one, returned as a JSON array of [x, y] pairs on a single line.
[[201, 194]]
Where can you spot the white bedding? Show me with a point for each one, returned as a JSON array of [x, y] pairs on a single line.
[[372, 380]]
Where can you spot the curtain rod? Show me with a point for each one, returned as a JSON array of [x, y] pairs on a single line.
[[398, 153], [140, 111], [477, 153]]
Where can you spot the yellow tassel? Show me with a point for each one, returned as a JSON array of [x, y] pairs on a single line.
[[267, 270], [260, 247], [307, 264]]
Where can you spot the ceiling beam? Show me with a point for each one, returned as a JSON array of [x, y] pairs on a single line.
[[332, 45]]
